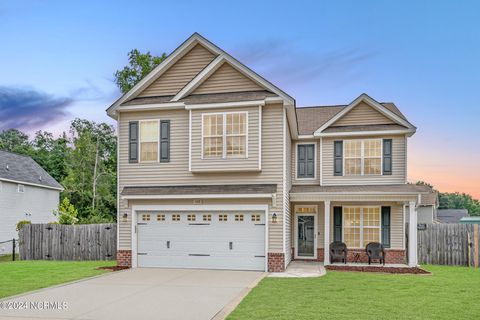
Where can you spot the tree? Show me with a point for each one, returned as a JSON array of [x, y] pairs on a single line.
[[66, 213], [91, 171], [140, 64], [14, 140], [50, 153]]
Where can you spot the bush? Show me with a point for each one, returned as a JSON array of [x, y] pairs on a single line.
[[66, 213], [21, 223]]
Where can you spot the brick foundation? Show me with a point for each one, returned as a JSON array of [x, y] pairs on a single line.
[[276, 262], [124, 258], [393, 256]]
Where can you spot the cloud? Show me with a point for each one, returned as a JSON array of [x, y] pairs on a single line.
[[284, 62], [28, 109]]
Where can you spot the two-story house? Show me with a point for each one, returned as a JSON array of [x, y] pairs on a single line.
[[218, 168]]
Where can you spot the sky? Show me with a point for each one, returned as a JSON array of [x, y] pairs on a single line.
[[57, 60]]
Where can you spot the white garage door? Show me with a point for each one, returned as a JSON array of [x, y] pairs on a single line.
[[210, 240]]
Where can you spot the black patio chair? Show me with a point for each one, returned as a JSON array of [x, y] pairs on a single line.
[[338, 250], [375, 251]]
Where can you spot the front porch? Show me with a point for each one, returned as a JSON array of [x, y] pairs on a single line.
[[356, 219]]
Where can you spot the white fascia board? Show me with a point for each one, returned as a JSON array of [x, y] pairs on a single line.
[[200, 78], [162, 67], [201, 196], [365, 193], [366, 133], [365, 98], [305, 136], [153, 106], [31, 184]]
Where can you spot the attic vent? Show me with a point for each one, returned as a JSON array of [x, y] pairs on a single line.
[[7, 167], [40, 178]]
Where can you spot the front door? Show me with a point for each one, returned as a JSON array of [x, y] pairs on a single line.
[[306, 236]]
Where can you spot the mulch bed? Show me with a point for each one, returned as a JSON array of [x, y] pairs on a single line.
[[113, 268], [396, 270]]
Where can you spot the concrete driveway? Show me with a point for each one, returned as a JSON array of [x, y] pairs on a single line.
[[140, 294]]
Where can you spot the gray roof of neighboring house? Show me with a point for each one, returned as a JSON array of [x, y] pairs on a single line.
[[312, 118], [394, 188], [451, 215], [24, 169], [200, 189], [429, 199]]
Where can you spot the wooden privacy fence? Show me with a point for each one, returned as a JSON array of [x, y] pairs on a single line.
[[68, 242], [448, 244]]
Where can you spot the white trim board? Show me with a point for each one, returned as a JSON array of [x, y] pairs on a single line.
[[201, 196]]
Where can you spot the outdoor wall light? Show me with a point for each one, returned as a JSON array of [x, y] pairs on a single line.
[[124, 217], [274, 217]]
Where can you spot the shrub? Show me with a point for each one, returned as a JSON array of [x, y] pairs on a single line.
[[66, 213], [21, 223]]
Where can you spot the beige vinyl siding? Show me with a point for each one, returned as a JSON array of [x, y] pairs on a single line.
[[362, 114], [182, 72], [293, 164], [227, 79], [398, 165], [229, 164], [176, 171]]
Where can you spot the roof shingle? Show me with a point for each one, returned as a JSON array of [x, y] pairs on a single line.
[[24, 169]]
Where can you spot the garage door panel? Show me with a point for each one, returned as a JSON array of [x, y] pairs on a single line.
[[230, 240]]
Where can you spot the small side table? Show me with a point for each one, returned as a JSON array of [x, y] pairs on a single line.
[[356, 257]]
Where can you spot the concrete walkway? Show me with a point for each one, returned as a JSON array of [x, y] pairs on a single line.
[[301, 269], [141, 294]]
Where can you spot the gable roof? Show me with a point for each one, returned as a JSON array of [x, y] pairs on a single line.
[[222, 57], [451, 215], [388, 110], [313, 117], [23, 169]]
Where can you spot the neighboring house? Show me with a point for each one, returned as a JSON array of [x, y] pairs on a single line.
[[427, 211], [27, 192], [218, 168], [451, 215]]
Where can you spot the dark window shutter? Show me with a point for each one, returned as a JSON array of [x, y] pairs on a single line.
[[338, 158], [387, 156], [386, 226], [337, 223], [133, 141], [302, 156], [310, 160], [164, 140], [306, 161]]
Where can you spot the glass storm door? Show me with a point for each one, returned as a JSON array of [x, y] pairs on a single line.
[[306, 236]]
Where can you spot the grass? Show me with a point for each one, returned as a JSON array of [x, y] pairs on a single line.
[[22, 276], [8, 257], [450, 293]]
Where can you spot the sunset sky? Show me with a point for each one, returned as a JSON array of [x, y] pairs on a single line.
[[57, 61]]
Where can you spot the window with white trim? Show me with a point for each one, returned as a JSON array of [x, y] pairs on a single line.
[[149, 136], [361, 225], [20, 188], [224, 135], [363, 157]]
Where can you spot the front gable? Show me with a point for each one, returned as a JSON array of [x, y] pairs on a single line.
[[367, 112], [227, 79], [362, 114], [180, 73]]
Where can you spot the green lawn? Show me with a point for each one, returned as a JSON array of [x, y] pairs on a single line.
[[22, 276], [450, 293]]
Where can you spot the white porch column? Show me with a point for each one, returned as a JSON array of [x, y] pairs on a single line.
[[412, 235], [326, 241]]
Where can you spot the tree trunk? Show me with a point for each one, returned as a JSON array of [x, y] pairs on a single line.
[[95, 176]]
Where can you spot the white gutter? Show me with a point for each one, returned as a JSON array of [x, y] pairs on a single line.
[[31, 184], [200, 196]]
